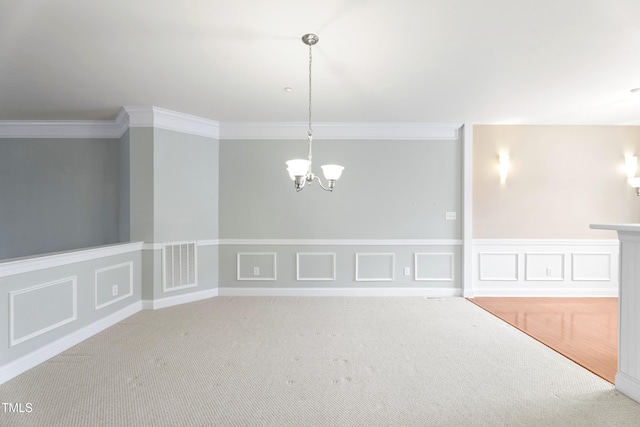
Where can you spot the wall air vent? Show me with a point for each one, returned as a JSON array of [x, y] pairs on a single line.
[[179, 266]]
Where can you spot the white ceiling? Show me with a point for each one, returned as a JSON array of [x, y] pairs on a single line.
[[491, 61]]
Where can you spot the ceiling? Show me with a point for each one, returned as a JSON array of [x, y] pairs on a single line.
[[491, 61]]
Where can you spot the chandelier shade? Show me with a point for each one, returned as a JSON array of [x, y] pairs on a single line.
[[332, 172], [298, 167]]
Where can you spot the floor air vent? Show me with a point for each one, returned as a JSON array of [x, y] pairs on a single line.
[[180, 269]]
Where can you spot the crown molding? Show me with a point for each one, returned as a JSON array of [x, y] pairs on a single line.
[[161, 118], [127, 117], [410, 131], [62, 128]]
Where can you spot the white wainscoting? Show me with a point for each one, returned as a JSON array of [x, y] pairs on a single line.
[[375, 267], [256, 266], [340, 292], [61, 298], [316, 266], [120, 276], [434, 266], [506, 267]]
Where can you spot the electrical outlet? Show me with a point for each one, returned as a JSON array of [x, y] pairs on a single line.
[[256, 271], [450, 216], [407, 271], [114, 290]]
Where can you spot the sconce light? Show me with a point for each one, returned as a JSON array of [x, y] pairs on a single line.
[[503, 166], [635, 183], [631, 166]]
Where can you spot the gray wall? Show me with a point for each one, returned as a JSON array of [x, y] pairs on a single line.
[[58, 194], [141, 184], [173, 198], [185, 187], [389, 190], [124, 223]]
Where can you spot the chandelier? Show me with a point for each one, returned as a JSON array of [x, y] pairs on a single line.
[[300, 169]]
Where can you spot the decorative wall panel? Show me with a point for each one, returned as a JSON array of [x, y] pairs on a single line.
[[113, 284], [315, 266], [434, 266], [544, 266], [56, 304], [591, 266], [375, 267], [256, 265], [498, 266]]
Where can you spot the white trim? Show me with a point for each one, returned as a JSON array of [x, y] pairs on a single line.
[[628, 386], [467, 209], [128, 117], [545, 292], [24, 265], [74, 315], [531, 278], [333, 256], [576, 278], [417, 277], [343, 242], [275, 266], [211, 242], [152, 246], [338, 130], [23, 364], [526, 276], [545, 242], [179, 299], [376, 279], [67, 129], [123, 296], [482, 278], [341, 292], [161, 118]]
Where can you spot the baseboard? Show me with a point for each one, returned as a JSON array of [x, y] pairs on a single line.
[[179, 299], [628, 386], [23, 364], [545, 292], [340, 292]]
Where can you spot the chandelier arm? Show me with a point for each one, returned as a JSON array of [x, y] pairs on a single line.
[[323, 187]]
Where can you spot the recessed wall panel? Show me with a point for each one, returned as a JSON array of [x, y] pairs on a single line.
[[256, 266], [375, 267], [434, 266], [498, 266], [591, 266], [42, 308], [544, 266], [113, 284], [316, 266]]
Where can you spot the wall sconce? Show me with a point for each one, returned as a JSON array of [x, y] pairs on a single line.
[[631, 166], [503, 166]]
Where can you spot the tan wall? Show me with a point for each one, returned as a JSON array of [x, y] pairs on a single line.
[[561, 179]]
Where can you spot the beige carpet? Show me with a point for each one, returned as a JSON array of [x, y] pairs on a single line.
[[315, 362]]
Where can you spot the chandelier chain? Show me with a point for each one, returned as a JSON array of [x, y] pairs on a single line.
[[310, 131]]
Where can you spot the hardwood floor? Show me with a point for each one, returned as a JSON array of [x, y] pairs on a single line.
[[583, 329]]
